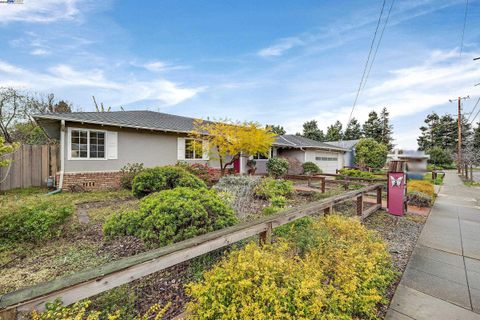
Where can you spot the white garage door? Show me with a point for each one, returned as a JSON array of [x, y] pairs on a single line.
[[327, 162]]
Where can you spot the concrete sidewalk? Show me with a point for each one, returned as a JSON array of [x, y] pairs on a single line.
[[442, 278]]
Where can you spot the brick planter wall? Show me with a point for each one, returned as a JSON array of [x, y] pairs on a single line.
[[90, 181]]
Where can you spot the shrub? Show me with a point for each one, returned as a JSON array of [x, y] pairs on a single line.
[[356, 173], [277, 167], [269, 188], [35, 220], [80, 310], [172, 215], [343, 276], [419, 199], [128, 173], [425, 187], [241, 190], [310, 168], [162, 178], [204, 172], [370, 153], [440, 156]]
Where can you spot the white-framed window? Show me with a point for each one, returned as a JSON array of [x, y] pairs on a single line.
[[192, 149], [260, 156], [85, 144], [326, 158]]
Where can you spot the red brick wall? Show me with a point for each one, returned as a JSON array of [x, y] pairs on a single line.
[[89, 181]]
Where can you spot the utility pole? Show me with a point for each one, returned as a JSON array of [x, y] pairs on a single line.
[[459, 151]]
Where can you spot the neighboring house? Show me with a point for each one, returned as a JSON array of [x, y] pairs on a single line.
[[417, 161], [349, 145], [94, 146]]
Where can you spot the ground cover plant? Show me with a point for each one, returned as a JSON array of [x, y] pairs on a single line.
[[342, 273], [276, 192], [204, 172], [161, 178], [357, 173], [310, 168], [422, 186], [172, 215]]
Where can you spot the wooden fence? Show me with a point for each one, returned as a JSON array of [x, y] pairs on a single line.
[[92, 282], [31, 166]]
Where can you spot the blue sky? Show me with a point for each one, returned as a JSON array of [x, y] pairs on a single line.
[[276, 62]]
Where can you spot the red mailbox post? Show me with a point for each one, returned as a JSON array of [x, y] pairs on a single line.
[[396, 188]]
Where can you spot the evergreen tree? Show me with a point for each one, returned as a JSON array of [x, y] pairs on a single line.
[[311, 131], [373, 128], [278, 130], [442, 132], [387, 129], [476, 137], [353, 130], [334, 132]]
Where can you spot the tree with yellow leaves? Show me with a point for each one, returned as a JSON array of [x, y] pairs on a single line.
[[230, 139], [6, 149]]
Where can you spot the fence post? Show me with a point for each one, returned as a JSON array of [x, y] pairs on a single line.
[[323, 184], [266, 236], [346, 183], [360, 205], [328, 210], [379, 195]]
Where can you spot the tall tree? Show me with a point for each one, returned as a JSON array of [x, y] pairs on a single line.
[[278, 130], [442, 132], [334, 132], [311, 131], [13, 109], [372, 128], [476, 137], [231, 139], [387, 129], [6, 149], [353, 130]]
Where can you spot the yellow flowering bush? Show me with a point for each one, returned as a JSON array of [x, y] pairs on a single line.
[[342, 274], [425, 187], [80, 311]]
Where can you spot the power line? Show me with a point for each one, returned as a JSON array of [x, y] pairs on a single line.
[[378, 44], [474, 107], [367, 62], [478, 112], [464, 25]]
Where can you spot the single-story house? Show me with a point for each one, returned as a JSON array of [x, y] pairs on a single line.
[[417, 161], [94, 146], [349, 145]]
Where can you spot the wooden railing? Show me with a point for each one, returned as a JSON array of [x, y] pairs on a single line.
[[92, 282]]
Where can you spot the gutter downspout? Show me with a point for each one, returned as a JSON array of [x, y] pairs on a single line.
[[62, 153]]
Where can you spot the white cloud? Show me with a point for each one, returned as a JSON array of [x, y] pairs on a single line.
[[39, 52], [280, 47], [43, 11], [159, 66], [86, 82]]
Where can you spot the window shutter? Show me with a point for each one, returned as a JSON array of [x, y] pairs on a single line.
[[112, 145], [206, 150], [181, 149]]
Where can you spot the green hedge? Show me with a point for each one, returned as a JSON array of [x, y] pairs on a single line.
[[172, 215], [162, 178], [36, 220]]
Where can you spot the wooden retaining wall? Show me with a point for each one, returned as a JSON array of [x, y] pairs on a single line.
[[31, 166]]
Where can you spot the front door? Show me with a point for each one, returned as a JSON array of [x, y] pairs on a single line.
[[236, 165]]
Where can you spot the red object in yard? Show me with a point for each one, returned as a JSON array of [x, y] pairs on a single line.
[[396, 191], [236, 165]]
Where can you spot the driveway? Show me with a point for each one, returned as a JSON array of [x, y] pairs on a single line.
[[442, 278]]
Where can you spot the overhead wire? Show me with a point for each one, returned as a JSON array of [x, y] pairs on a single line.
[[464, 25], [367, 62], [378, 44], [473, 110]]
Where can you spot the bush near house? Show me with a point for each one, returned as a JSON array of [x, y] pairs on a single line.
[[205, 173], [419, 199], [357, 173], [310, 168], [35, 220], [370, 153], [277, 167], [440, 157], [128, 173], [343, 274], [162, 178], [173, 215]]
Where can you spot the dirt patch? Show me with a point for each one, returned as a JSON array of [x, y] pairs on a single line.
[[401, 235]]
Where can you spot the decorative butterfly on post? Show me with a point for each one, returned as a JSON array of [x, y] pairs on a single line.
[[396, 182]]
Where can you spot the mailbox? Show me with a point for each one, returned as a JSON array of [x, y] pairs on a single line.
[[396, 188]]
